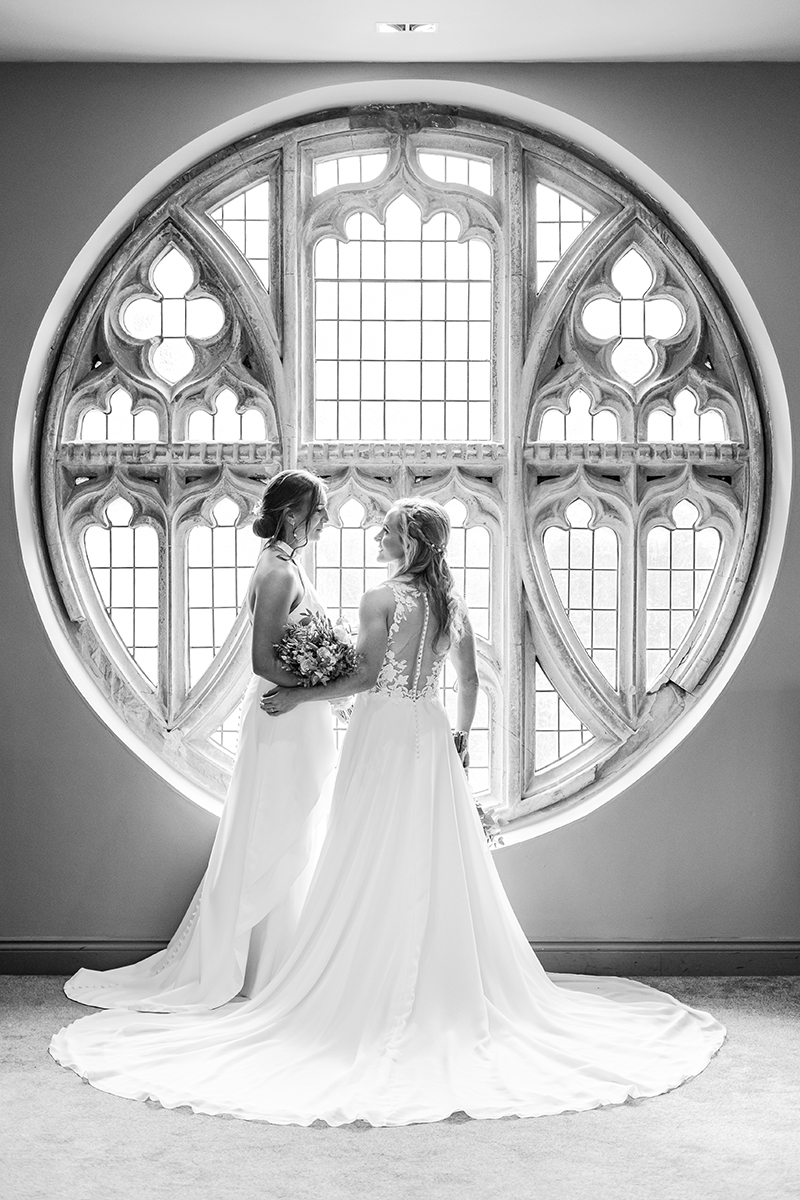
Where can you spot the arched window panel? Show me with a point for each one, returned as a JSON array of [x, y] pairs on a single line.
[[220, 560], [168, 287], [691, 536], [474, 157], [245, 221], [118, 422], [560, 221], [469, 555], [456, 168], [158, 349], [347, 561], [559, 732], [687, 420], [327, 156], [403, 330], [124, 564], [105, 407], [584, 564], [578, 423], [346, 564], [228, 422], [680, 564], [578, 585], [633, 325], [348, 169]]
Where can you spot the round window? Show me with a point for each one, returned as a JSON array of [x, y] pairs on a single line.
[[411, 300]]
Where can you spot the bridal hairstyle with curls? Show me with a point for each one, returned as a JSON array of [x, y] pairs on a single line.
[[424, 530], [287, 492]]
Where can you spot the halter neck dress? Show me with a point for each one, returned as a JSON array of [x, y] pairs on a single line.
[[243, 916]]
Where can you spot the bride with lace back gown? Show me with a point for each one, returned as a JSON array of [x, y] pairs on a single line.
[[243, 916], [410, 991]]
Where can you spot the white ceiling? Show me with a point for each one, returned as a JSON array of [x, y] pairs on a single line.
[[469, 30]]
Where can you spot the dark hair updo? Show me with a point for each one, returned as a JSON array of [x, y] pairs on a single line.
[[288, 491]]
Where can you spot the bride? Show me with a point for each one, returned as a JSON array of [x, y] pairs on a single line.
[[243, 916], [410, 991]]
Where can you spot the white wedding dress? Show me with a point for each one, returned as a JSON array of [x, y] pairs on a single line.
[[243, 917], [410, 991]]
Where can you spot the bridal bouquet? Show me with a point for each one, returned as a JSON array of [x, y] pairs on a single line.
[[316, 650]]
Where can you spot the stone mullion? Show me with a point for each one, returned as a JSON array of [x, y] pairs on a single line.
[[639, 640], [297, 350], [176, 600], [510, 341], [645, 518], [629, 581]]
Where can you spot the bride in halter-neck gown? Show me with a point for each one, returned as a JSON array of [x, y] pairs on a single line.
[[410, 991], [244, 914]]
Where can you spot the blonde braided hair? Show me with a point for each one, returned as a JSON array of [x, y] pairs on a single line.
[[424, 530]]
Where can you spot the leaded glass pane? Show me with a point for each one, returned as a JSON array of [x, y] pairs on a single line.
[[123, 560], [220, 561], [403, 315], [244, 219], [680, 566], [584, 564], [450, 168], [348, 168], [559, 733], [559, 222]]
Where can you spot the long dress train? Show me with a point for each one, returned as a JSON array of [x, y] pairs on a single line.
[[411, 991], [243, 917]]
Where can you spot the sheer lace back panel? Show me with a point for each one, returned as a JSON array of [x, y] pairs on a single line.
[[413, 662]]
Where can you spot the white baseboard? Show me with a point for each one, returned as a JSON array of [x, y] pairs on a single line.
[[710, 956]]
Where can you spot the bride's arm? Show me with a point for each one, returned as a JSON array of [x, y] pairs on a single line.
[[462, 656], [373, 634], [274, 592]]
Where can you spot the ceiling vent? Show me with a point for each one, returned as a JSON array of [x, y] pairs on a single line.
[[405, 27]]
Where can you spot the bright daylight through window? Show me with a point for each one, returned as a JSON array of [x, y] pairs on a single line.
[[410, 301]]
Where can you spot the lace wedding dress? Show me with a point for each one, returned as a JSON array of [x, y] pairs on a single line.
[[243, 916], [410, 991]]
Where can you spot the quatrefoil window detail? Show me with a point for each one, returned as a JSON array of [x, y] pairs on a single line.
[[632, 320], [170, 321]]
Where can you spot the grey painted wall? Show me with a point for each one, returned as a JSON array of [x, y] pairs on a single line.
[[708, 845]]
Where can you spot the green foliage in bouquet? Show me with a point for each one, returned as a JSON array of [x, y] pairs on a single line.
[[316, 651]]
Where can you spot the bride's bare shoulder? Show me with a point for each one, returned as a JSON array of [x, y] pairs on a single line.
[[274, 558], [379, 598], [381, 593], [273, 572]]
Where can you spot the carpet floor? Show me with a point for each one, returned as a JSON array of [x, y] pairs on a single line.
[[731, 1134]]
